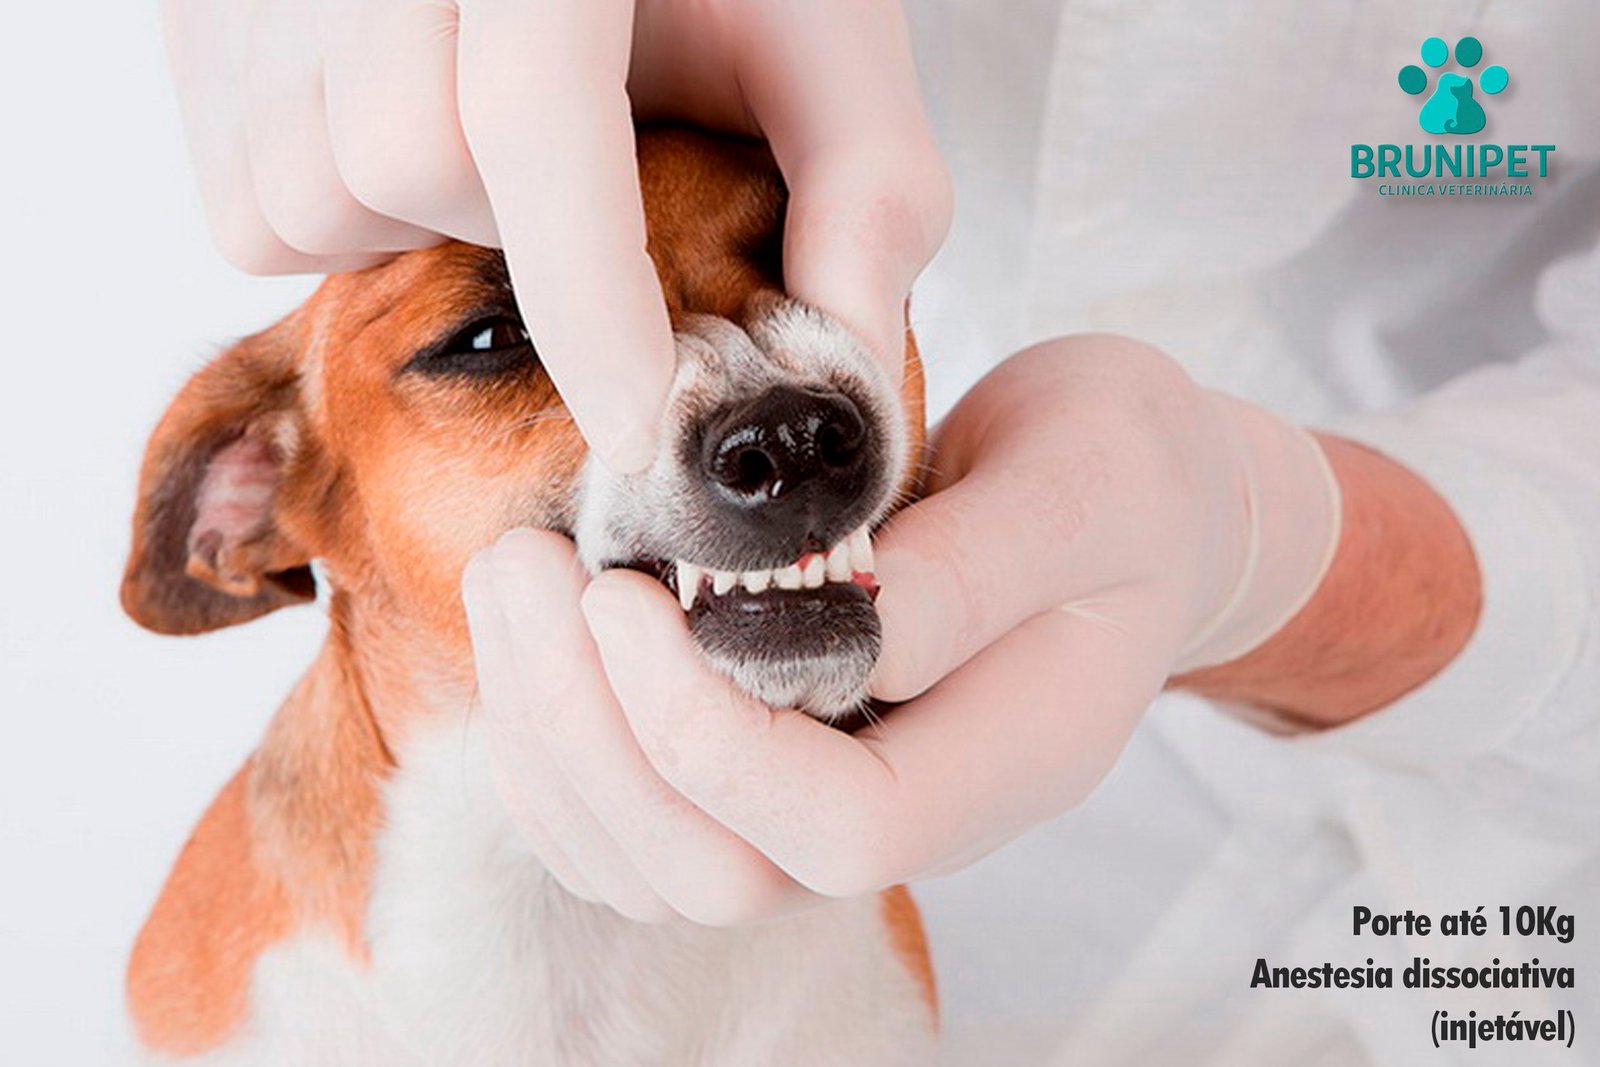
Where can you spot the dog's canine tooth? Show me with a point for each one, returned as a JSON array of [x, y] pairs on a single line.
[[788, 577], [814, 572], [861, 551], [756, 581], [688, 584], [839, 562], [722, 581]]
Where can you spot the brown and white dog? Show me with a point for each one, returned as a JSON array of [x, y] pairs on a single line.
[[355, 894]]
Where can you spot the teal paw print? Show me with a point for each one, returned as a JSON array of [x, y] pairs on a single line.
[[1451, 108]]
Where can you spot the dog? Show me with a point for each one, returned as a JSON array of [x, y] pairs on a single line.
[[356, 894]]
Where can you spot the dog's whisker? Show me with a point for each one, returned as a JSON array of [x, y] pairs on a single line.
[[403, 413], [873, 744], [528, 422], [874, 720]]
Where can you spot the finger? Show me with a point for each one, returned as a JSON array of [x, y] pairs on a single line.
[[395, 130], [954, 574], [207, 45], [957, 570], [297, 183], [544, 107], [559, 826], [1022, 732], [833, 86], [535, 779], [702, 869]]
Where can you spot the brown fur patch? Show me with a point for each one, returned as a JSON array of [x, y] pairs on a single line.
[[910, 941], [393, 479]]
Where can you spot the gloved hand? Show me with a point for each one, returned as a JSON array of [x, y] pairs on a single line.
[[1095, 522], [328, 133]]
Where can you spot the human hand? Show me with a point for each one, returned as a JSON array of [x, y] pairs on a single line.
[[328, 134], [1095, 521]]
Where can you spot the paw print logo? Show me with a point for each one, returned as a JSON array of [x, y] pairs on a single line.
[[1451, 108]]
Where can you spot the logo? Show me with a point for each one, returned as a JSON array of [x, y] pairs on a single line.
[[1451, 109], [1460, 165]]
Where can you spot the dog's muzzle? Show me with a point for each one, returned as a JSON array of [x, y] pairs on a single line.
[[787, 446]]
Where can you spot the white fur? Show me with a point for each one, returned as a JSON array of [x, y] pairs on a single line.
[[663, 513], [791, 344], [479, 960]]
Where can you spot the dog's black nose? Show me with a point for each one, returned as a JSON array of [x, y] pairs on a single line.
[[791, 458]]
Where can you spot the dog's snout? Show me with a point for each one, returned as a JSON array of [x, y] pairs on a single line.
[[786, 446], [790, 452]]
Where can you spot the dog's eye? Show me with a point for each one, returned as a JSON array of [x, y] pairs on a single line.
[[486, 347], [489, 336]]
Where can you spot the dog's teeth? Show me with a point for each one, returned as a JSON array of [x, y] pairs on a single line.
[[861, 551], [839, 562], [756, 581], [722, 581], [788, 577], [688, 584], [813, 573]]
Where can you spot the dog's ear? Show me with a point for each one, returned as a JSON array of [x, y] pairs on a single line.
[[208, 550]]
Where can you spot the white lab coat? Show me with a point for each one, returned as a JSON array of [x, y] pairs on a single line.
[[1179, 171]]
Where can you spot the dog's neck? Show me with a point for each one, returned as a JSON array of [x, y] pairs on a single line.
[[316, 790], [397, 667]]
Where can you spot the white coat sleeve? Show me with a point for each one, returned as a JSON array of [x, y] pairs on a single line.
[[1515, 449]]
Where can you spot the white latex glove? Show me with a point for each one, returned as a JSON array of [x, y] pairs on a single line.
[[1096, 521], [329, 133]]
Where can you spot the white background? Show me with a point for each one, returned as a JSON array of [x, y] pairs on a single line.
[[114, 739]]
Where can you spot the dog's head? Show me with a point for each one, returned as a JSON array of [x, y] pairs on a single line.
[[400, 420]]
